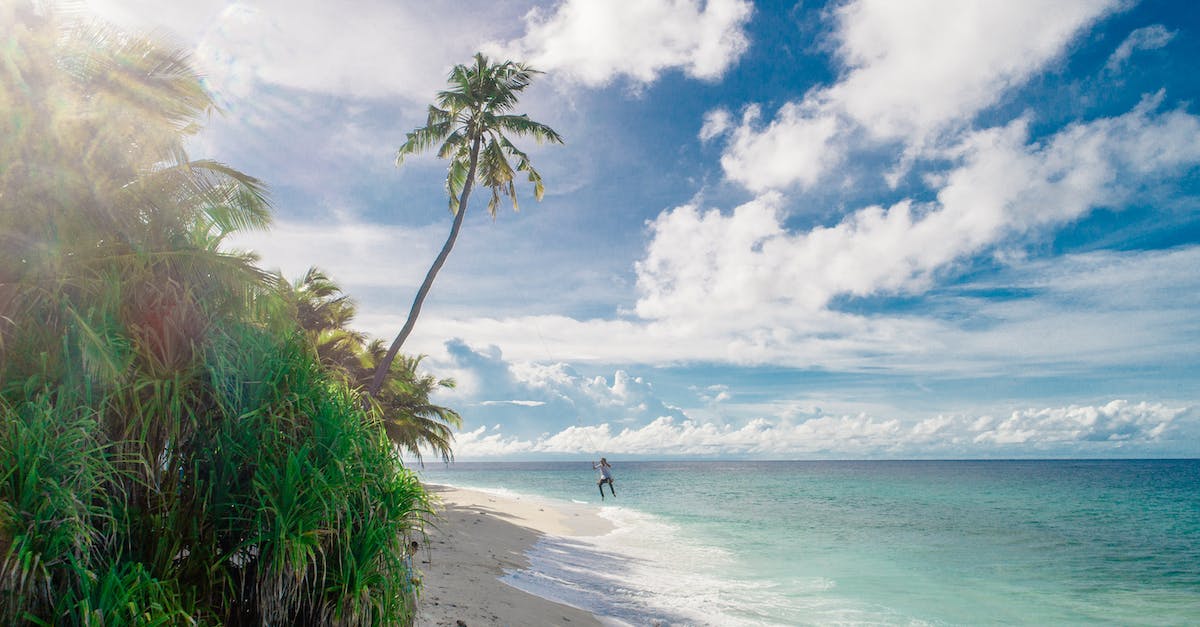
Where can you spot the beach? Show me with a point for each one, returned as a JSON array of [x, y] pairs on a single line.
[[477, 538]]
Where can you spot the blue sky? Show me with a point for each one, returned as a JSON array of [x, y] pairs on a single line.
[[858, 229]]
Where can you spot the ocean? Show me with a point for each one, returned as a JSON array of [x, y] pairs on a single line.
[[875, 543]]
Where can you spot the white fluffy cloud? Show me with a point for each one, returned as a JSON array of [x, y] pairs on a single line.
[[746, 267], [912, 71], [716, 123], [795, 148], [1113, 429], [714, 394], [402, 48], [916, 67], [1146, 38], [1117, 421], [596, 42], [372, 49]]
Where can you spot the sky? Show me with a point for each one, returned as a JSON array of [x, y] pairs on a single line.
[[859, 229]]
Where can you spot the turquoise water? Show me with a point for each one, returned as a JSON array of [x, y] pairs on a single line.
[[940, 542]]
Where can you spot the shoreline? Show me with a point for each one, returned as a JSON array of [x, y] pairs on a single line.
[[478, 537]]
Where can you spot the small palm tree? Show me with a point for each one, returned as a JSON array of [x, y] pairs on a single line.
[[409, 418], [470, 122], [325, 314]]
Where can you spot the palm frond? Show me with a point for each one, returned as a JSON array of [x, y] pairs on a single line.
[[437, 128], [456, 143], [257, 212], [524, 165], [522, 125], [456, 177], [496, 174]]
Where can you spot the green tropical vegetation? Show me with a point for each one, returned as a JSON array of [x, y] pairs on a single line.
[[410, 418], [184, 438], [471, 124]]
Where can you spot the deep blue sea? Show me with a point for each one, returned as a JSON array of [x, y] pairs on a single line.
[[886, 542]]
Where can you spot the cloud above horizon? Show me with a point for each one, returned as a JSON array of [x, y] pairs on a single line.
[[1058, 324], [1116, 428], [545, 393]]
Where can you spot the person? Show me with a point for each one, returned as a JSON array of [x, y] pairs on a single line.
[[414, 578], [605, 477]]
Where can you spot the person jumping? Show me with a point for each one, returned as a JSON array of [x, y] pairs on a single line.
[[605, 477]]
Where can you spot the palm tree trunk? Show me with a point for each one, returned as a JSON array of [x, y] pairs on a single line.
[[386, 364]]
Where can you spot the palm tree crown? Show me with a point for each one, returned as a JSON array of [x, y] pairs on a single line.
[[470, 125]]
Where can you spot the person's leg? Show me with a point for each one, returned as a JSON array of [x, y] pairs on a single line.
[[600, 484], [611, 488]]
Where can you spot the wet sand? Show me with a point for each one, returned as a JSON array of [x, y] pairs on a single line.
[[477, 538]]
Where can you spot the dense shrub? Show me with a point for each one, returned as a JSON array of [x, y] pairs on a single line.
[[252, 490], [171, 449]]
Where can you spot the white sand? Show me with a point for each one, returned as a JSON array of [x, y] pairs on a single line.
[[475, 540]]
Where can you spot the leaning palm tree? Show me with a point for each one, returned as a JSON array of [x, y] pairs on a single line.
[[470, 122]]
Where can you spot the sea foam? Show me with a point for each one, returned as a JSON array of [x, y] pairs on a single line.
[[644, 572]]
